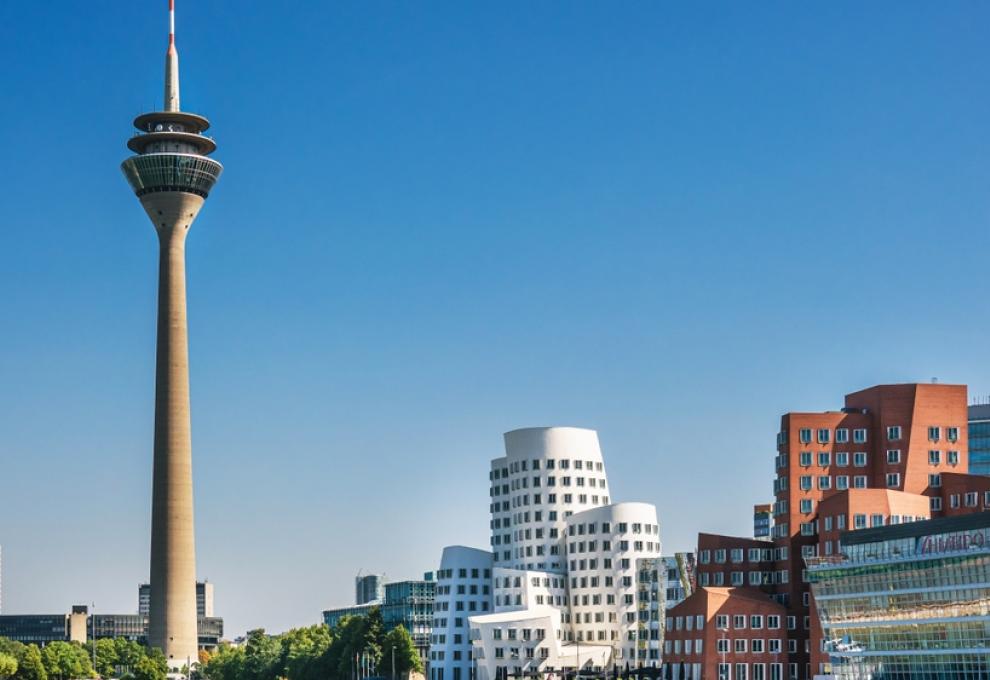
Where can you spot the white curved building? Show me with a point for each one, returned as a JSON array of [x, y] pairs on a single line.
[[464, 589], [577, 582]]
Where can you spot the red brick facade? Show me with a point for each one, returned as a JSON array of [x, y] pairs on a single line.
[[893, 451], [734, 626]]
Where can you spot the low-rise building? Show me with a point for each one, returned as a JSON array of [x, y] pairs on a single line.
[[722, 633], [907, 600]]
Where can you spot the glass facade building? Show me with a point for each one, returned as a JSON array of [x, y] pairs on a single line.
[[908, 601], [979, 439], [407, 603]]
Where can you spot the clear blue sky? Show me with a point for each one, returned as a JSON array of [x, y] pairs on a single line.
[[441, 221]]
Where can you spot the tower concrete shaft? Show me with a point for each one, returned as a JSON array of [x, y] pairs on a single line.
[[172, 176], [173, 621]]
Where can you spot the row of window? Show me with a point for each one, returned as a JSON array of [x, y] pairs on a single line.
[[463, 573], [549, 480], [738, 578], [548, 464], [894, 433], [739, 555]]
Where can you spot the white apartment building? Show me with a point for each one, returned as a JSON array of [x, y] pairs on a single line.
[[576, 581]]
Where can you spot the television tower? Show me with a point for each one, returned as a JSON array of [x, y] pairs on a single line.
[[172, 176]]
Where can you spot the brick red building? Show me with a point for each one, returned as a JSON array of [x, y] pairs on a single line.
[[723, 632], [893, 453]]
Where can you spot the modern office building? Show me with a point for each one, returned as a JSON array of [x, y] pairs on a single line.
[[762, 521], [79, 625], [204, 599], [680, 578], [908, 600], [463, 590], [577, 582], [406, 603], [171, 174], [894, 454], [369, 588], [979, 439]]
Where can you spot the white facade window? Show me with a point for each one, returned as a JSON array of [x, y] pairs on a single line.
[[934, 433], [842, 482], [842, 458], [952, 434], [859, 459], [859, 435], [893, 456], [859, 482], [806, 506], [824, 458], [859, 521], [934, 457], [894, 432], [824, 436], [935, 503], [935, 480], [971, 499], [805, 459], [952, 458], [825, 483], [893, 480], [806, 482], [805, 435], [841, 435]]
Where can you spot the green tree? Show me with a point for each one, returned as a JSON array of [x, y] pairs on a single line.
[[66, 660], [128, 653], [107, 659], [30, 665], [150, 668], [8, 665], [303, 651], [398, 646], [226, 664]]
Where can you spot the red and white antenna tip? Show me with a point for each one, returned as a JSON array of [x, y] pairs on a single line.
[[171, 22]]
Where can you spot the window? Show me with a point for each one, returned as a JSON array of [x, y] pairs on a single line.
[[722, 622], [894, 432], [859, 459], [893, 480], [806, 482], [773, 622], [825, 483], [756, 645], [859, 521], [756, 622], [805, 458], [952, 434], [807, 529], [952, 458], [720, 556], [842, 459], [893, 456], [842, 482], [737, 578], [841, 435], [970, 499], [806, 505], [722, 646], [824, 436], [935, 481], [737, 555], [934, 457], [936, 503], [934, 434], [828, 523], [859, 435], [876, 520], [824, 458], [805, 435], [704, 556], [859, 482]]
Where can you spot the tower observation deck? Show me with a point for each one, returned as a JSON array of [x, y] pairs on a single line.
[[172, 175]]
